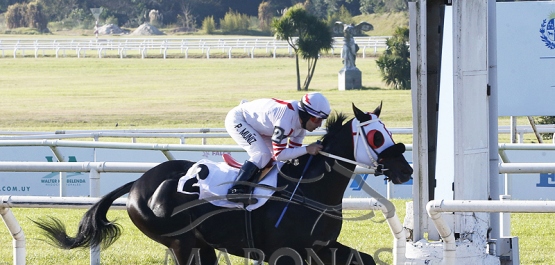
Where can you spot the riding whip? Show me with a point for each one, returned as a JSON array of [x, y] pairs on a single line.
[[295, 190]]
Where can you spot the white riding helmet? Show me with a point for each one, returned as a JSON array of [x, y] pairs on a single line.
[[316, 105]]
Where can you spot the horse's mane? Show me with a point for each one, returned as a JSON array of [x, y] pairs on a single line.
[[333, 126]]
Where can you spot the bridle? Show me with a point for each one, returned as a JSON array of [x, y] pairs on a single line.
[[370, 151]]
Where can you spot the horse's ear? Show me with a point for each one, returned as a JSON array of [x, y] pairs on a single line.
[[361, 116], [378, 110]]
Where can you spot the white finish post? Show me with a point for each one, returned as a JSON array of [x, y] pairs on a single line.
[[471, 119], [419, 83], [468, 167], [494, 180]]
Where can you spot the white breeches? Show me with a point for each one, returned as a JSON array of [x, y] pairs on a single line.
[[257, 146]]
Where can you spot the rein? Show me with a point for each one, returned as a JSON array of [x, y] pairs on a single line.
[[345, 160]]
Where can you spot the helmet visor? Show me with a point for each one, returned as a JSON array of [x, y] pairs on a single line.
[[313, 112]]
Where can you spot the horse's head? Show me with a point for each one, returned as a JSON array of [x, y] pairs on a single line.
[[374, 146]]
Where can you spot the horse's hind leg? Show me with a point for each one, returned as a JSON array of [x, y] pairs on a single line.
[[193, 253], [161, 203], [344, 254]]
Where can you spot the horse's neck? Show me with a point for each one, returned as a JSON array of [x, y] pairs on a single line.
[[335, 182], [343, 144]]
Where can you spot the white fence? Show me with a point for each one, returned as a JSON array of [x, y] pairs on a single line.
[[22, 139], [204, 133], [177, 47], [95, 168]]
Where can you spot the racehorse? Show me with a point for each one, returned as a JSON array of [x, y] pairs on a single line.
[[310, 226]]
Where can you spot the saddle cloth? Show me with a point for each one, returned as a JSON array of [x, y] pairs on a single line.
[[220, 178]]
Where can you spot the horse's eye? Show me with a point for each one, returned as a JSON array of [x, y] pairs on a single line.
[[375, 139]]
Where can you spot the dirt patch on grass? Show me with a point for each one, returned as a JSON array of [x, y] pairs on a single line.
[[147, 29]]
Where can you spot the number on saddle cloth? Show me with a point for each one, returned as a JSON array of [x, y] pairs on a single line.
[[211, 180], [189, 186]]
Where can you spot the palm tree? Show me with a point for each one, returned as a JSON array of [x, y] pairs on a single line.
[[307, 36]]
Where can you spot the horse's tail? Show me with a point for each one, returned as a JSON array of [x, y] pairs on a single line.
[[94, 228]]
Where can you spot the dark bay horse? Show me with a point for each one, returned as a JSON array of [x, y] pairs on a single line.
[[309, 228]]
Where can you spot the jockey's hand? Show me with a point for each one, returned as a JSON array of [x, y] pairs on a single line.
[[314, 148]]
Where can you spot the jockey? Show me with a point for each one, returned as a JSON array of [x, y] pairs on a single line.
[[273, 129]]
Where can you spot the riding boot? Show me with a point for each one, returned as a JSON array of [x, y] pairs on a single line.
[[240, 192]]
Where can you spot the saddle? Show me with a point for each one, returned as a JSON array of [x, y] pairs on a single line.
[[232, 162], [210, 181]]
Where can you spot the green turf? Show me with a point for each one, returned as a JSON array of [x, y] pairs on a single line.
[[49, 94], [371, 236], [71, 93]]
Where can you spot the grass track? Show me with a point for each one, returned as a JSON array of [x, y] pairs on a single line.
[[49, 94], [71, 93], [371, 236]]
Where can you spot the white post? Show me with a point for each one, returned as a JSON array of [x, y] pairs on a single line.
[[94, 191], [420, 122], [505, 219], [389, 193], [513, 130], [94, 186], [493, 115], [96, 13], [63, 182], [95, 255], [15, 229]]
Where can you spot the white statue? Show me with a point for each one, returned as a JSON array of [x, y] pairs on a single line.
[[350, 48]]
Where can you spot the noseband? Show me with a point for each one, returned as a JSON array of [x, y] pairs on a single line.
[[361, 133]]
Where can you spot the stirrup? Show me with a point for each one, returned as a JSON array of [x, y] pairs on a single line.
[[239, 195]]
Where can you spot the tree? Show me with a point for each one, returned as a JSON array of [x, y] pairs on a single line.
[[307, 35], [209, 25], [4, 4], [234, 22], [35, 17], [394, 63], [26, 15], [343, 15], [265, 15], [380, 6], [546, 120], [15, 16], [186, 18], [58, 10]]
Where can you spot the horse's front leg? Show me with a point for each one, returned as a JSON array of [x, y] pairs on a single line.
[[337, 253]]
